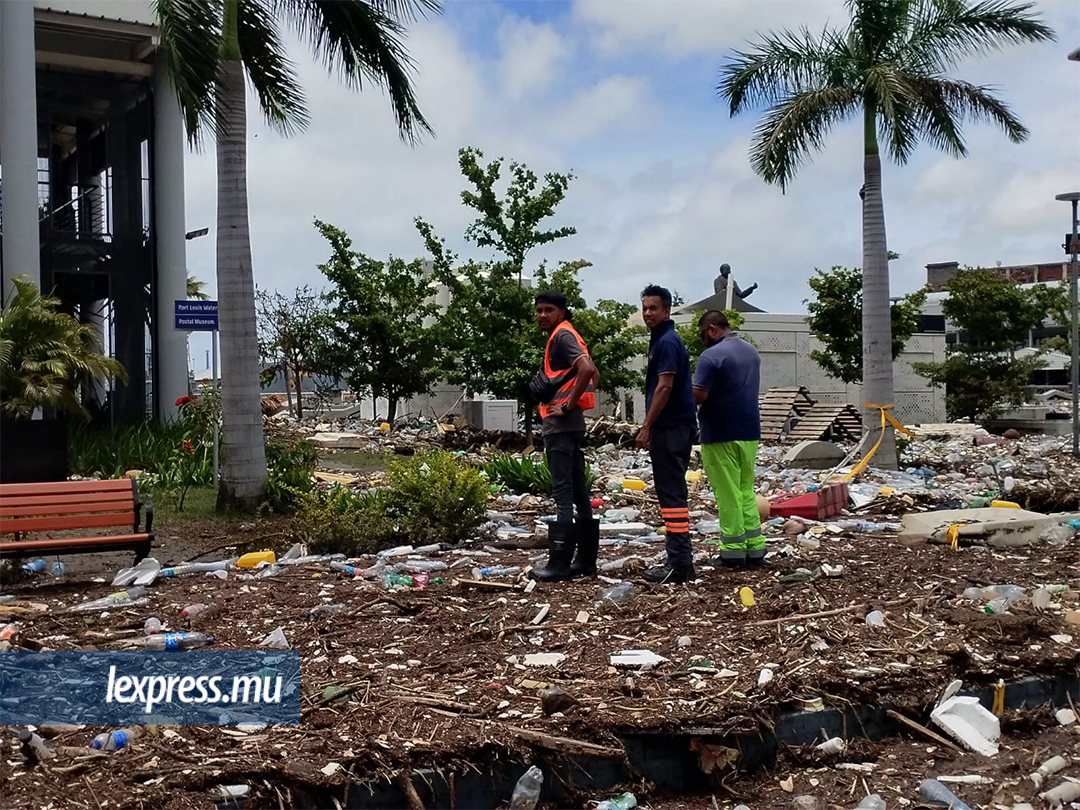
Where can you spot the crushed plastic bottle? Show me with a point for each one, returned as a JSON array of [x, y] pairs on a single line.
[[875, 618], [527, 790], [125, 598], [495, 571], [337, 565], [623, 801], [1043, 595], [177, 641], [1058, 534], [35, 566], [932, 790], [191, 568], [151, 626], [390, 580], [616, 593], [420, 566], [33, 745], [871, 802], [320, 609], [114, 740], [191, 611]]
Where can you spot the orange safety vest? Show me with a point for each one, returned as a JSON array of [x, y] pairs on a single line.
[[563, 379]]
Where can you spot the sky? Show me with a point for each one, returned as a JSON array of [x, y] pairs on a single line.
[[622, 93]]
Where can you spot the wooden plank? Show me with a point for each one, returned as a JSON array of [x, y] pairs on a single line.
[[55, 524], [86, 508], [49, 500], [66, 487]]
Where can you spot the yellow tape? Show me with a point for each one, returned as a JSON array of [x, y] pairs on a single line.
[[952, 536], [886, 418], [998, 705]]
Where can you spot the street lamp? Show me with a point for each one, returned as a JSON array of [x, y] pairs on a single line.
[[1072, 246]]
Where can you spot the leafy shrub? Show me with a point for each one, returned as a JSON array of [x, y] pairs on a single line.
[[437, 497], [525, 473], [290, 464], [431, 497]]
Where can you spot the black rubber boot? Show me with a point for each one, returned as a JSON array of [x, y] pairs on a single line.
[[666, 575], [560, 553], [588, 545]]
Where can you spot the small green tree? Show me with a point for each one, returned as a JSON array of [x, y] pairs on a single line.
[[836, 320], [294, 337], [491, 335], [689, 334], [980, 374], [384, 326], [46, 355]]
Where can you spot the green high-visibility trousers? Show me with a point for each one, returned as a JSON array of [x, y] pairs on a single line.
[[730, 470]]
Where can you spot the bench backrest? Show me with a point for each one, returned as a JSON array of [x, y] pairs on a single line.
[[62, 505]]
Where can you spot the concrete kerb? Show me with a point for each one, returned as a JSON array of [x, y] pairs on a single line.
[[999, 527], [672, 761]]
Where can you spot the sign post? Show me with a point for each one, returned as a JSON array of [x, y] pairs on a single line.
[[202, 316]]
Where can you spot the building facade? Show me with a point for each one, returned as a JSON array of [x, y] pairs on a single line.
[[92, 183]]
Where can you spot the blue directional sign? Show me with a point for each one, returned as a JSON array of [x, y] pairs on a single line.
[[196, 316]]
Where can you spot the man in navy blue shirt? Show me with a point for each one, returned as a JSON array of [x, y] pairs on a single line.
[[669, 431]]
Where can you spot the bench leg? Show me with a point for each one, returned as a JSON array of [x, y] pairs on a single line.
[[142, 552]]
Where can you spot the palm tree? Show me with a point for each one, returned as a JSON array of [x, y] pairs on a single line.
[[888, 65], [196, 289], [210, 47]]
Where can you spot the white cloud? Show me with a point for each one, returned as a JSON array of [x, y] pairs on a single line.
[[533, 56]]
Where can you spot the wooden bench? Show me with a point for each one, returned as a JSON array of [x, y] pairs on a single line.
[[73, 505]]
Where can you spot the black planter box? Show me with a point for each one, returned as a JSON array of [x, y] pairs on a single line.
[[33, 450]]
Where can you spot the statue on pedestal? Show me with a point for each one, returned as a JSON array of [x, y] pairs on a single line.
[[721, 282]]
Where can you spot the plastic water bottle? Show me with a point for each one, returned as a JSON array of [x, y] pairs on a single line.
[[152, 626], [420, 566], [340, 566], [623, 801], [871, 802], [191, 568], [35, 567], [29, 739], [616, 593], [57, 569], [494, 571], [932, 790], [114, 740], [177, 641], [527, 791], [130, 596], [191, 611]]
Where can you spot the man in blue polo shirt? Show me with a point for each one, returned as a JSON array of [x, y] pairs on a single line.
[[669, 431], [726, 384]]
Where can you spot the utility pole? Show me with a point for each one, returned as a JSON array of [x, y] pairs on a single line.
[[1072, 246]]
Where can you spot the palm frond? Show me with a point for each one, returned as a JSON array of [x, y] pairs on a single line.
[[190, 33], [269, 69], [944, 103], [781, 65], [943, 33], [891, 95], [364, 40], [875, 23], [408, 10], [796, 126]]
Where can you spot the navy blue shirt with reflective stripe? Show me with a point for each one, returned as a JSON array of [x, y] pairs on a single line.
[[667, 354], [731, 370]]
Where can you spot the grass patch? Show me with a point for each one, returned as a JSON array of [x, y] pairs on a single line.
[[201, 502], [357, 460]]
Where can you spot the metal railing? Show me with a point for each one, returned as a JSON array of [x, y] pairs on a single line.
[[83, 215]]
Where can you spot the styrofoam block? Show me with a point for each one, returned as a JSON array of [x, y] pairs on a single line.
[[969, 723]]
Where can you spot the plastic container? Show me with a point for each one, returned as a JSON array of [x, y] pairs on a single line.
[[746, 596], [1004, 505], [932, 790], [253, 558], [114, 740], [35, 566], [152, 626], [527, 790], [177, 641], [1048, 768], [834, 745], [191, 611], [623, 801], [1065, 793], [57, 568], [635, 484], [875, 618]]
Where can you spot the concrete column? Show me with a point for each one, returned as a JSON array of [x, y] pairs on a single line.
[[170, 269], [18, 142]]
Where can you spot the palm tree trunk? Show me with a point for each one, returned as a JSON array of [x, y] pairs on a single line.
[[243, 465], [876, 322]]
